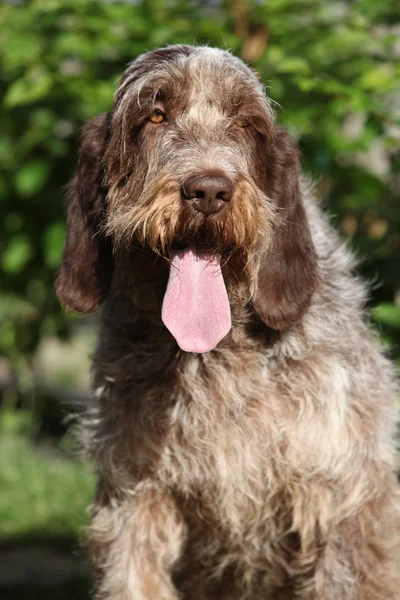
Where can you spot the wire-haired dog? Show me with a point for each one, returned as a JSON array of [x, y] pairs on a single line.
[[256, 461]]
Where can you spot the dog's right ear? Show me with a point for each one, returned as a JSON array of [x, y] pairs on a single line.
[[86, 271]]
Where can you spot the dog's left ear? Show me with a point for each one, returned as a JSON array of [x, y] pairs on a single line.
[[288, 272], [86, 271]]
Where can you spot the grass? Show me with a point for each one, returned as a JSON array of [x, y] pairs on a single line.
[[44, 497]]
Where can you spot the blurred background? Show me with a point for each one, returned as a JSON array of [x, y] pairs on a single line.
[[334, 68]]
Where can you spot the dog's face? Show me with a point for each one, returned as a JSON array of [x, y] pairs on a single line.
[[181, 163], [190, 157]]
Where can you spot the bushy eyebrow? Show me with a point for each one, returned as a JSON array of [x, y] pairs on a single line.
[[170, 88]]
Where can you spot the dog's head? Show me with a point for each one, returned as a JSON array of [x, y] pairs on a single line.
[[190, 164]]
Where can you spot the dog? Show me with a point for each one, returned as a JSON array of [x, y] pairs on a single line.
[[243, 414]]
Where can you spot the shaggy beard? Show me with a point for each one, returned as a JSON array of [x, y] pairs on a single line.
[[160, 220]]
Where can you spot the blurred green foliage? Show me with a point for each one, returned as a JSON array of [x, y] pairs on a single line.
[[333, 65], [46, 492], [43, 509]]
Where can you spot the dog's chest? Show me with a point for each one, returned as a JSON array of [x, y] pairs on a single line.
[[238, 444], [222, 436]]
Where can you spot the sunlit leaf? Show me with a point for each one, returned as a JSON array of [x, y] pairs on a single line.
[[31, 178], [293, 64], [387, 313], [382, 77], [28, 89], [17, 254]]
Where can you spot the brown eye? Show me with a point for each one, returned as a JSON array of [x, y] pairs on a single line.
[[241, 123], [157, 116]]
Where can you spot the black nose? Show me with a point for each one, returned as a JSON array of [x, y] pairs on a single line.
[[209, 194]]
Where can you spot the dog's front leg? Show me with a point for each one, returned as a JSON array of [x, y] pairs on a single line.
[[134, 544]]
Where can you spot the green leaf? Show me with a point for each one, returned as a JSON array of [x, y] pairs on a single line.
[[387, 313], [381, 78], [32, 177], [293, 64], [17, 254], [14, 308], [31, 88], [53, 243]]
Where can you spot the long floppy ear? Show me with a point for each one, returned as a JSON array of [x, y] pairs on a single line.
[[288, 273], [86, 271]]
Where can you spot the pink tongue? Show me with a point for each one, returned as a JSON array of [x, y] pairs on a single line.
[[196, 307]]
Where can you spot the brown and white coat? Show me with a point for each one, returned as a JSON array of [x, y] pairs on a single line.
[[263, 469]]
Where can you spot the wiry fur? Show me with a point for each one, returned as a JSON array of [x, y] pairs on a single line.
[[265, 468]]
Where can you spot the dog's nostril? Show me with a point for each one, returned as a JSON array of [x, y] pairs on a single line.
[[210, 193]]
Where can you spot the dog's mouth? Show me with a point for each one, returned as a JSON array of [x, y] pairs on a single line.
[[204, 240], [196, 307]]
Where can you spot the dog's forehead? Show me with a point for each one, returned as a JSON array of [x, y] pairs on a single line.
[[207, 73]]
